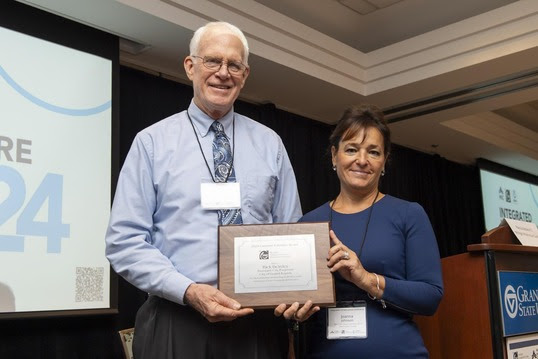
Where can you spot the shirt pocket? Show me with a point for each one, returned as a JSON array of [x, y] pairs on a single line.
[[260, 196]]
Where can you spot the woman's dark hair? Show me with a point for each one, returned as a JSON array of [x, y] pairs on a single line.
[[356, 118]]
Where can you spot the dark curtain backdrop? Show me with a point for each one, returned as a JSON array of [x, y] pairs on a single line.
[[449, 192]]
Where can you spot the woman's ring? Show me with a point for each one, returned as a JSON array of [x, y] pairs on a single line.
[[346, 255]]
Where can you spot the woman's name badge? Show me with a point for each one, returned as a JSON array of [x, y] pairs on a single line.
[[347, 321], [225, 195]]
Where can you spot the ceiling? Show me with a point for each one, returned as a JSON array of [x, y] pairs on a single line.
[[456, 78]]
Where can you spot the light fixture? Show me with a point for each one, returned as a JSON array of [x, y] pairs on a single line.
[[364, 7], [132, 47]]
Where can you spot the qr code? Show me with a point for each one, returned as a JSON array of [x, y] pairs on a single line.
[[89, 286]]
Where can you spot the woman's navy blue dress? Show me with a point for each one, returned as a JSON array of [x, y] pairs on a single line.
[[400, 245]]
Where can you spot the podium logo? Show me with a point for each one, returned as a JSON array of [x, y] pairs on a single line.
[[510, 301]]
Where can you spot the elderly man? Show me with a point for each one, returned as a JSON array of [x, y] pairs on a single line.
[[163, 238]]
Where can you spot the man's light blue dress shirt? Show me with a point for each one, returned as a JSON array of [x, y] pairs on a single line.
[[159, 238]]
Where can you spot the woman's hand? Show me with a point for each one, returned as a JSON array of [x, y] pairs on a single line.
[[343, 260], [295, 312]]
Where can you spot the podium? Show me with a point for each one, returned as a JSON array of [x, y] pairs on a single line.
[[469, 320]]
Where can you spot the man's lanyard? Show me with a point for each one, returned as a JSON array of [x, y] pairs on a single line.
[[201, 151]]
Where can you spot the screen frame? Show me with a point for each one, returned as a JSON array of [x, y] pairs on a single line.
[[503, 170], [496, 168], [43, 25]]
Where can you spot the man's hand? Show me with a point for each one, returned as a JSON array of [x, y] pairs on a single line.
[[214, 305]]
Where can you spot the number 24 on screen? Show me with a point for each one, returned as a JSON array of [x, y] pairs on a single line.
[[51, 189]]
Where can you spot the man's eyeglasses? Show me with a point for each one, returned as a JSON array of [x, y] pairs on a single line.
[[215, 63]]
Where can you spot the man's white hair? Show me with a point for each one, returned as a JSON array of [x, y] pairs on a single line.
[[223, 28]]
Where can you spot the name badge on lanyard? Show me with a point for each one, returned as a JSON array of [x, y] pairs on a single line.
[[222, 195], [347, 321]]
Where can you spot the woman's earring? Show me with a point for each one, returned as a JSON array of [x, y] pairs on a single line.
[[334, 168], [382, 172]]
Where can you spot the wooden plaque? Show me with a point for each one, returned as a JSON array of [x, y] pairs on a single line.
[[324, 295]]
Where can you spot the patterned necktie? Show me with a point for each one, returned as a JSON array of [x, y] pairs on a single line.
[[224, 172]]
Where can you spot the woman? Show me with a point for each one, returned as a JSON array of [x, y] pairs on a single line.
[[385, 256]]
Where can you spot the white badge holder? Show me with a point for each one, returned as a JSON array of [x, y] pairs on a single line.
[[347, 321], [222, 195]]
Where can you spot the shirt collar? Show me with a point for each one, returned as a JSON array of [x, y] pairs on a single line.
[[203, 122]]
